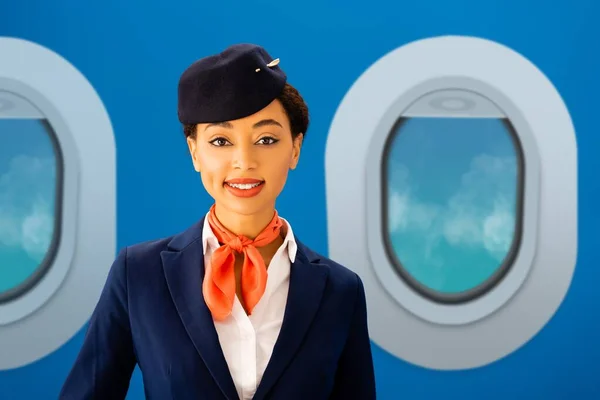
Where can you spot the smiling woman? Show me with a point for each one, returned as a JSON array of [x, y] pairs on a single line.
[[235, 306], [249, 159]]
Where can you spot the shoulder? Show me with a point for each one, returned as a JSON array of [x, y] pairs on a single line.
[[141, 262], [137, 262], [147, 250], [146, 256]]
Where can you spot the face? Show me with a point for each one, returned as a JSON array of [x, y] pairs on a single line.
[[244, 163]]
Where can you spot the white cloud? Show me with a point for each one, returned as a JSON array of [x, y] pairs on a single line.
[[37, 229], [498, 230], [478, 214], [398, 211], [405, 212], [26, 197]]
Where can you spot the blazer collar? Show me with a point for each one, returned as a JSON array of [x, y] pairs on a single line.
[[183, 265]]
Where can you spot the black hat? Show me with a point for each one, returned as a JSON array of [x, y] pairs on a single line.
[[236, 83]]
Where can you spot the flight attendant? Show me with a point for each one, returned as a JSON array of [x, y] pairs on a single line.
[[234, 307]]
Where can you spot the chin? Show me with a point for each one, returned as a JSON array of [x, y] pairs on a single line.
[[246, 206]]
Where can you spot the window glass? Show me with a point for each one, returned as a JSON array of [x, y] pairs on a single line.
[[28, 192], [452, 192]]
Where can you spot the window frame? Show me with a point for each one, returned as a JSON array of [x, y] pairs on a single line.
[[500, 271], [496, 297], [63, 300], [23, 305], [401, 322], [52, 251]]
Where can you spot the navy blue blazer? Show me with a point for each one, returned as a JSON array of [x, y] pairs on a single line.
[[152, 313]]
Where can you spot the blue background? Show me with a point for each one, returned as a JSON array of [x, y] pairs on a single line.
[[133, 53]]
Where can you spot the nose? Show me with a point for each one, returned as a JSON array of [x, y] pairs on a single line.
[[244, 157]]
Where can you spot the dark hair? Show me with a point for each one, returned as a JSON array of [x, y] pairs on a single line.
[[294, 106]]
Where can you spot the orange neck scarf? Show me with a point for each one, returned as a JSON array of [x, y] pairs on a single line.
[[219, 282]]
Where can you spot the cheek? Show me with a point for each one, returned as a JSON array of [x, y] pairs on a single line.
[[279, 171], [212, 169]]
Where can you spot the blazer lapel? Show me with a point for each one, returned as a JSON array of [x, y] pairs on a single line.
[[307, 283], [183, 266]]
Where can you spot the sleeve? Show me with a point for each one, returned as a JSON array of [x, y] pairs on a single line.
[[355, 377], [105, 363]]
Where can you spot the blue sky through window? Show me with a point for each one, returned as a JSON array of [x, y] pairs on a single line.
[[451, 199], [27, 198]]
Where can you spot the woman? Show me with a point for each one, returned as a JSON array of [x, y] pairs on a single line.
[[235, 306]]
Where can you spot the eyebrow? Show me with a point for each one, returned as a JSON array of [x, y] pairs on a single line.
[[229, 125]]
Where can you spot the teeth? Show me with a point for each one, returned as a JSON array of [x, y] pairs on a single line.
[[244, 186]]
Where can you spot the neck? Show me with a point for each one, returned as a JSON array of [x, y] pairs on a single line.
[[249, 226]]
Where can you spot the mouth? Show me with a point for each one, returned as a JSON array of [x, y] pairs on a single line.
[[244, 184]]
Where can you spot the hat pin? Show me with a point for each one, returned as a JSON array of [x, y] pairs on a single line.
[[271, 64]]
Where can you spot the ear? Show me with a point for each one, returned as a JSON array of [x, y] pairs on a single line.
[[297, 145], [192, 148]]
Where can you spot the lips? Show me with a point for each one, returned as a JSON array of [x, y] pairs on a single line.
[[243, 180], [244, 188], [244, 183]]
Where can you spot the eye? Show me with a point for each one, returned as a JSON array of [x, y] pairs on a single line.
[[219, 142], [267, 140]]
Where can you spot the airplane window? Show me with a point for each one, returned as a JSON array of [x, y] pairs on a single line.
[[57, 201], [451, 201], [457, 218], [30, 167]]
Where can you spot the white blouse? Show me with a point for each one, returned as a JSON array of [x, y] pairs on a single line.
[[247, 341]]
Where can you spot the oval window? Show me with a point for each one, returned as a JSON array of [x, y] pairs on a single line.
[[452, 195], [448, 223], [30, 203], [57, 201]]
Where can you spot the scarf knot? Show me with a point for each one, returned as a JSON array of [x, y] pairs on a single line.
[[237, 244], [219, 285]]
